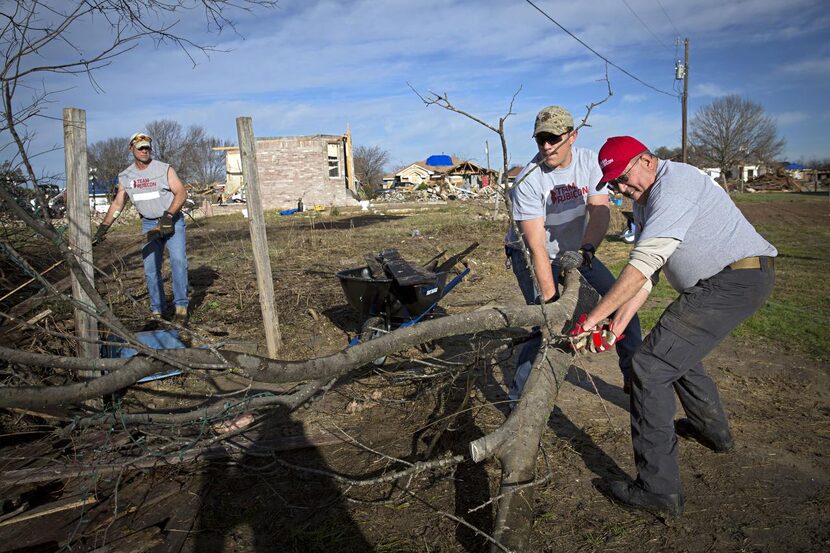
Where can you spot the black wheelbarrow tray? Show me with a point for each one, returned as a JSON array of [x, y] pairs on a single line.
[[386, 303]]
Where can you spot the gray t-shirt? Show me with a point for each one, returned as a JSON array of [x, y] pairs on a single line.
[[560, 196], [687, 205]]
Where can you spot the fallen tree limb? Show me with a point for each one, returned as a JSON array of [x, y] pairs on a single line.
[[128, 371], [213, 452]]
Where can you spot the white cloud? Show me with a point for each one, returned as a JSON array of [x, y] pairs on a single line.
[[811, 67], [710, 90], [634, 98], [791, 117]]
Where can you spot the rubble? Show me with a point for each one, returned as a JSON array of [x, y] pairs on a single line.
[[778, 181], [432, 194]]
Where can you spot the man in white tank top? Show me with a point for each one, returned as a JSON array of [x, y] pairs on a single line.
[[158, 195]]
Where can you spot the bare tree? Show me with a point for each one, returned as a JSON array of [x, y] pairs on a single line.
[[168, 141], [204, 164], [109, 157], [190, 152], [734, 130], [369, 162], [199, 162]]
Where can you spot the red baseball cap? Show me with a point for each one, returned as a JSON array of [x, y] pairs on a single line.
[[615, 155]]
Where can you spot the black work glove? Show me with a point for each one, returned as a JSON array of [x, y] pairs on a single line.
[[166, 224], [571, 260], [100, 233], [587, 251]]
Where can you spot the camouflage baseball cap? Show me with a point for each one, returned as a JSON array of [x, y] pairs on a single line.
[[140, 140], [553, 119]]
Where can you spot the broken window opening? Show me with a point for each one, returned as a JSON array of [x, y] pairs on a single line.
[[334, 160]]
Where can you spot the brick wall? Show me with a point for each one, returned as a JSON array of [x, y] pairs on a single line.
[[297, 167]]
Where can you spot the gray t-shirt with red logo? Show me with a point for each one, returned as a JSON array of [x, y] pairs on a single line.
[[560, 196], [149, 189], [687, 205]]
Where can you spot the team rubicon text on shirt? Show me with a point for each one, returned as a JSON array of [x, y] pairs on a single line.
[[567, 192], [142, 183]]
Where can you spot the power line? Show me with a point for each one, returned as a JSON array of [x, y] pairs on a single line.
[[643, 23], [667, 17], [600, 56]]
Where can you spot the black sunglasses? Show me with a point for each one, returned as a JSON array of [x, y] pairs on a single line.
[[144, 149], [614, 184], [548, 138]]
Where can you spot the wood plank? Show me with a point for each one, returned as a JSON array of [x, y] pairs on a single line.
[[259, 240], [404, 272], [80, 235], [50, 508]]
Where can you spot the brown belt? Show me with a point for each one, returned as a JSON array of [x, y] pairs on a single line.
[[752, 263]]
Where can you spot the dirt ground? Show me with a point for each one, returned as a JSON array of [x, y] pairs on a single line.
[[771, 494]]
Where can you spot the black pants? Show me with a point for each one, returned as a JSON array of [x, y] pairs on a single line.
[[669, 361]]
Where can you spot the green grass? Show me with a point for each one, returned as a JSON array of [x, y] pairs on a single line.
[[771, 197], [797, 316]]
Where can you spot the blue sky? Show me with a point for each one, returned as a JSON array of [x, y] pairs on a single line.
[[312, 67]]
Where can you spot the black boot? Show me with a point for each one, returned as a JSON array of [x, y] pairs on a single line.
[[633, 495], [720, 442]]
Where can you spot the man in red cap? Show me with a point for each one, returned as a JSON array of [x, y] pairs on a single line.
[[723, 269]]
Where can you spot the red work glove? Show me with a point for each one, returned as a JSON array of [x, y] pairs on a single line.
[[578, 336], [605, 338], [595, 340]]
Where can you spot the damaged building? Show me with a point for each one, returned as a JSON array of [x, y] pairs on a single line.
[[317, 169]]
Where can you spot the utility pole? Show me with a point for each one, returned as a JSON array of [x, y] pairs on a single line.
[[681, 71]]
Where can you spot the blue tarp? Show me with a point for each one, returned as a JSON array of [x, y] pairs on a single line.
[[289, 211], [156, 339], [439, 160], [793, 167]]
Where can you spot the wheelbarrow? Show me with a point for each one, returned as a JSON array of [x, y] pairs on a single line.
[[391, 293]]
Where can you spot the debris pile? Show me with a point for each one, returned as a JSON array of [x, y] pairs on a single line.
[[434, 193], [777, 181]]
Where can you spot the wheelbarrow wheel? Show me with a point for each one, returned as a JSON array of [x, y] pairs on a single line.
[[374, 327]]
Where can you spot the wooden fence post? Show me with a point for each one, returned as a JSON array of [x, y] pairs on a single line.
[[259, 241], [77, 213]]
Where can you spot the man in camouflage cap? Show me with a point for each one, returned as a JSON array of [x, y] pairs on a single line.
[[560, 214]]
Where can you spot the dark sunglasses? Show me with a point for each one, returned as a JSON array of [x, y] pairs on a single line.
[[614, 184], [144, 149], [548, 138]]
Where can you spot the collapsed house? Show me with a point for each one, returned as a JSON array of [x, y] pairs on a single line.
[[439, 169]]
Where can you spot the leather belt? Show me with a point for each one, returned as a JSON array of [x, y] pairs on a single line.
[[756, 262]]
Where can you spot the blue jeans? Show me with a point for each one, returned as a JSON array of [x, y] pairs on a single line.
[[153, 252], [602, 280]]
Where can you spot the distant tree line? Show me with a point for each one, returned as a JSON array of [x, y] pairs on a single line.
[[189, 151]]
